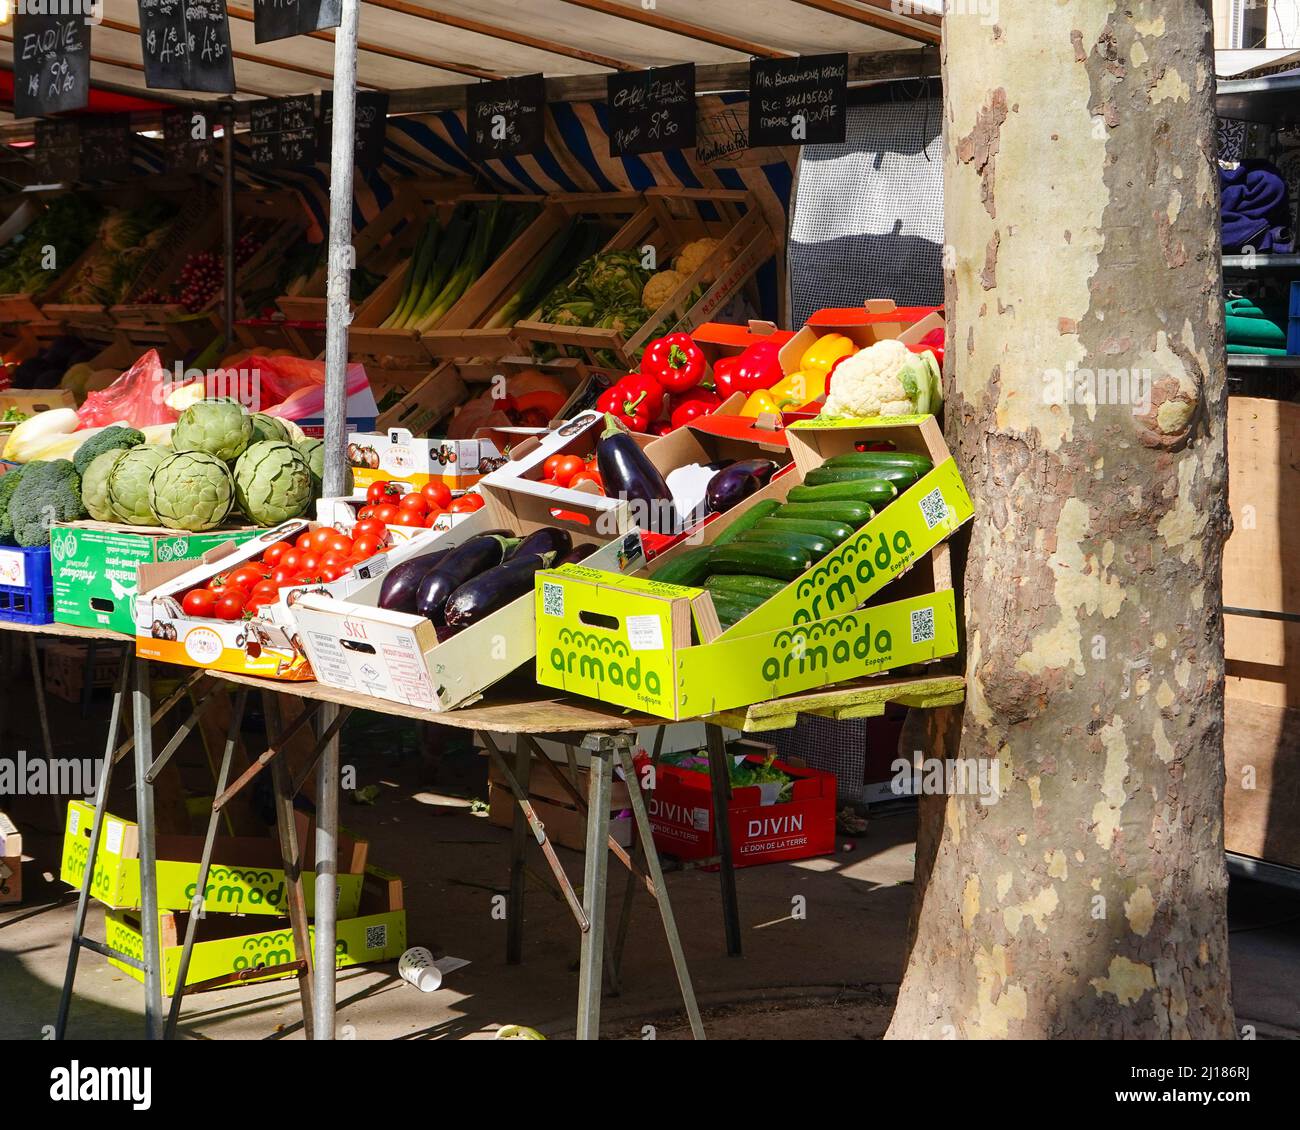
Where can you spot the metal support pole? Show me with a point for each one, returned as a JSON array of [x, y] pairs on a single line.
[[38, 688], [720, 780], [228, 216], [327, 846], [518, 854], [600, 779], [148, 863]]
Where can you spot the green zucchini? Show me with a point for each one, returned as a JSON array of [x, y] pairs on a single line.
[[738, 584], [858, 490], [746, 521], [903, 460], [689, 568], [815, 544], [835, 531], [729, 612], [784, 562], [853, 514], [819, 476]]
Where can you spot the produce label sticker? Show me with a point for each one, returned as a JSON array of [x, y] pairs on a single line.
[[644, 633], [13, 570], [908, 528]]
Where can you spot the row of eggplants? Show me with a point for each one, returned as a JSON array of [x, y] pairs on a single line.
[[457, 587]]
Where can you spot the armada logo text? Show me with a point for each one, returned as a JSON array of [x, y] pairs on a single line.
[[75, 1083]]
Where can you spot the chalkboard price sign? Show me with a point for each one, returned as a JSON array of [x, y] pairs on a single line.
[[51, 64], [283, 131], [507, 117], [799, 101], [186, 45], [106, 147], [187, 141], [370, 127], [650, 111], [279, 19], [57, 153]]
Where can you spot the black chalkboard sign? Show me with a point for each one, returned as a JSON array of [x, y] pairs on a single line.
[[188, 145], [106, 141], [283, 131], [799, 101], [186, 45], [57, 153], [506, 117], [653, 110], [369, 129], [279, 19], [51, 64]]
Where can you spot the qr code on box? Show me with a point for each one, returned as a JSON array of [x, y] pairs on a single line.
[[922, 625], [933, 508], [552, 599], [377, 937]]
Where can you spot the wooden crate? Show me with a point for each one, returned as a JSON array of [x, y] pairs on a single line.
[[1262, 653], [667, 219], [555, 807], [65, 669], [24, 308]]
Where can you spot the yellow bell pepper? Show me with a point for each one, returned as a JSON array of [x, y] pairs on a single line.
[[798, 389], [759, 403], [824, 352]]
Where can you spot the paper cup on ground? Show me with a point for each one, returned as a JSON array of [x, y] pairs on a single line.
[[417, 966]]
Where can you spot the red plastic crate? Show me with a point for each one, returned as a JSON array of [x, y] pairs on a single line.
[[26, 585]]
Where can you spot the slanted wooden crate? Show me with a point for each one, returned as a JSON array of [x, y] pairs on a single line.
[[666, 219]]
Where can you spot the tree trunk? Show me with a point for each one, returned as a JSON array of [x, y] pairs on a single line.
[[1088, 900]]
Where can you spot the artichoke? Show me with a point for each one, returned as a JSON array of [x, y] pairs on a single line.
[[128, 485], [268, 427], [219, 427], [94, 484], [191, 490], [314, 451], [273, 482]]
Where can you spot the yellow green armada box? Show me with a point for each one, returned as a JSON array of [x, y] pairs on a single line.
[[94, 566], [897, 536], [656, 647], [246, 876], [229, 948]]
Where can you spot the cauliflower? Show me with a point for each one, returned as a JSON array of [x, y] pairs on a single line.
[[693, 255], [660, 288], [868, 383]]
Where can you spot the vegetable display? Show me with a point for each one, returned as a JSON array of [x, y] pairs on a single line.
[[885, 379], [627, 473], [46, 492], [124, 241], [67, 225]]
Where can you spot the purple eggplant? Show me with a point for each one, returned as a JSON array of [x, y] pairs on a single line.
[[549, 539], [460, 565], [628, 474], [578, 554], [736, 483], [402, 582], [491, 591]]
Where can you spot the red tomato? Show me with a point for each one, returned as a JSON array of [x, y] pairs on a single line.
[[366, 512], [367, 545], [230, 605], [199, 602], [265, 592], [389, 515], [467, 504], [437, 493], [334, 572], [382, 491], [333, 557], [283, 575], [413, 507], [303, 541], [588, 477], [310, 562], [566, 468], [321, 538], [371, 527], [247, 576], [292, 560], [432, 519], [274, 553], [551, 466]]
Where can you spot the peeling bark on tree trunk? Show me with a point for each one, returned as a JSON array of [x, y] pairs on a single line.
[[1082, 206]]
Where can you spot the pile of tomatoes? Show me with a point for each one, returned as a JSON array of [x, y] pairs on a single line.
[[571, 471], [394, 505], [315, 557]]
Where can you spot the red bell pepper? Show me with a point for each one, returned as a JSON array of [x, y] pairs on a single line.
[[724, 376], [635, 401], [691, 405], [675, 361], [759, 367]]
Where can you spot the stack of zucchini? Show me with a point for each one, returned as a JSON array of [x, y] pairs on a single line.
[[774, 542]]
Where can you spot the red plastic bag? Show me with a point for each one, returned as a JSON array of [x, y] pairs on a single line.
[[138, 397]]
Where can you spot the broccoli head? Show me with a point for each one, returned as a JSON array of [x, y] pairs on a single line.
[[106, 439], [8, 484], [48, 492]]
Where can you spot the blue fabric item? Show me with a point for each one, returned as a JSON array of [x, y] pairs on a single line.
[[1256, 208]]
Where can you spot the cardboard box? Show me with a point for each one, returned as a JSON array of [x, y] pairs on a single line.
[[680, 808], [913, 523], [397, 456], [565, 824], [266, 645], [11, 862], [356, 646], [656, 648], [226, 945], [246, 876], [95, 566]]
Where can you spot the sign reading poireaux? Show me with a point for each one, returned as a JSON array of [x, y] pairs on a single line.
[[799, 101], [652, 110], [51, 64], [506, 117]]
